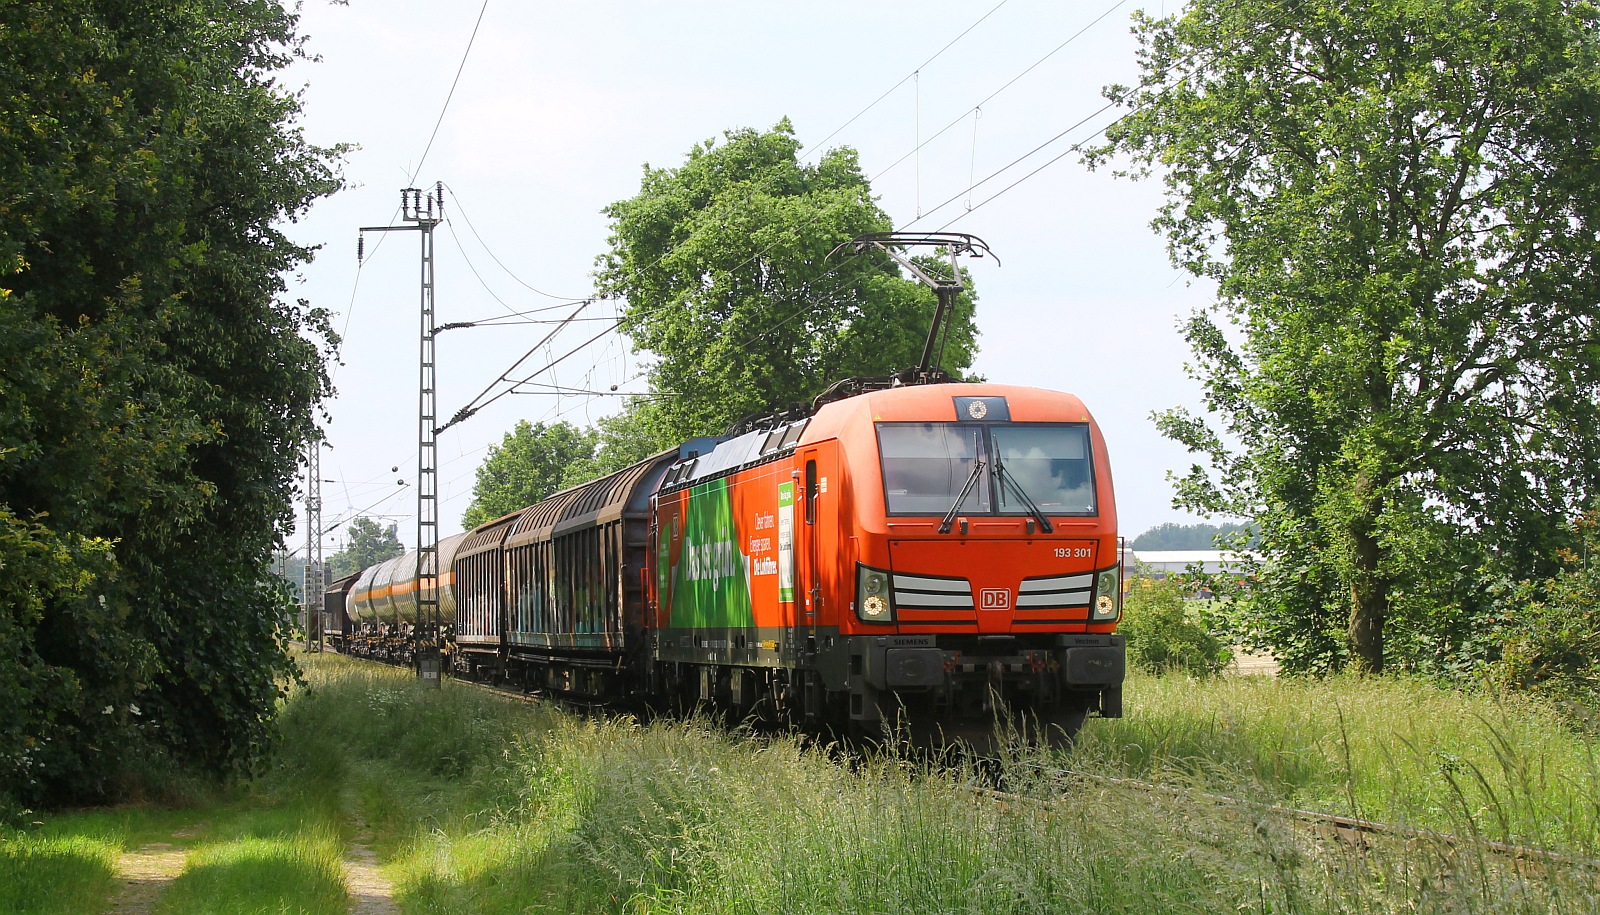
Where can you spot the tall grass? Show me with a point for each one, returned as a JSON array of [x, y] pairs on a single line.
[[297, 871], [478, 804], [68, 874], [519, 809], [1385, 749]]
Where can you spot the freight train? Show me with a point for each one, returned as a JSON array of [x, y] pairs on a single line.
[[913, 559]]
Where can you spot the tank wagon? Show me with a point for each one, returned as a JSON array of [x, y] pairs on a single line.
[[929, 557], [381, 605]]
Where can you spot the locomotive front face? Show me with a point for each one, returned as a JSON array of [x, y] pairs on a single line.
[[986, 571]]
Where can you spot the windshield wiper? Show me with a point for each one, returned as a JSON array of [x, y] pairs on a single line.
[[1000, 471], [950, 516]]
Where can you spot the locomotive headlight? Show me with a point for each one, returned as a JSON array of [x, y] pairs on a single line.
[[872, 595], [1107, 595]]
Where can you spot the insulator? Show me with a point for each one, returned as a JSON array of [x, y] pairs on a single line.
[[361, 248]]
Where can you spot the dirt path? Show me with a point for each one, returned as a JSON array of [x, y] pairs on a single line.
[[371, 893], [145, 872]]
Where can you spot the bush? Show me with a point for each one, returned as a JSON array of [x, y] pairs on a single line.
[[1551, 647], [1163, 635]]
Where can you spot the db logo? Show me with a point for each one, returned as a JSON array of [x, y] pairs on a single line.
[[994, 599]]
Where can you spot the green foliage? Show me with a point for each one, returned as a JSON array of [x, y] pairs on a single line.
[[1551, 640], [476, 804], [367, 543], [1164, 636], [724, 264], [530, 463], [1173, 536], [536, 809], [1402, 217], [49, 706], [157, 387]]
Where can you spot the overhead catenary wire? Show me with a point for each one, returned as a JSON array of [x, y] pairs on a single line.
[[474, 405], [1171, 85], [412, 178], [996, 93], [912, 75], [910, 153], [473, 269], [462, 210], [471, 409], [971, 186], [618, 324], [1022, 158]]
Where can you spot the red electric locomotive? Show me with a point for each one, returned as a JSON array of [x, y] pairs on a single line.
[[930, 553]]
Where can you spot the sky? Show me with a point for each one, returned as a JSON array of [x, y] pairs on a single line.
[[557, 108]]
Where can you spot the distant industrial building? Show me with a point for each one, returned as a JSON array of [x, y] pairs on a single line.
[[1161, 563]]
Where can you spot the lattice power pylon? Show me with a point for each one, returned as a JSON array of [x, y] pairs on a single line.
[[311, 581], [423, 213]]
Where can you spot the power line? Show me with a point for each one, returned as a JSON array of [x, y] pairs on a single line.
[[412, 178], [880, 174], [1009, 165], [1171, 85], [772, 328], [1064, 153], [911, 75], [489, 251], [469, 410], [474, 406], [617, 325], [1008, 84], [1076, 147]]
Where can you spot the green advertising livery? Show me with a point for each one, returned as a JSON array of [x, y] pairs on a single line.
[[710, 584]]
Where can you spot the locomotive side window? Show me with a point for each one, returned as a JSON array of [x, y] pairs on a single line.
[[926, 465], [811, 492]]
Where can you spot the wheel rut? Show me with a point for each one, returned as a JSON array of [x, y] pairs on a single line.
[[145, 873], [371, 893]]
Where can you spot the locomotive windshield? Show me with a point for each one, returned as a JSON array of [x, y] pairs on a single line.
[[926, 465]]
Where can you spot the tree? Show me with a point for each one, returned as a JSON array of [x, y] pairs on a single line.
[[1171, 536], [529, 464], [1400, 205], [157, 386], [367, 544], [724, 264]]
